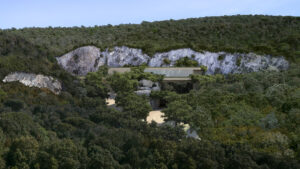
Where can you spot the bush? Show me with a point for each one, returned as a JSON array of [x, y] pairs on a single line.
[[15, 105], [186, 62]]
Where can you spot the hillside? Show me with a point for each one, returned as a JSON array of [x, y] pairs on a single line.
[[244, 106]]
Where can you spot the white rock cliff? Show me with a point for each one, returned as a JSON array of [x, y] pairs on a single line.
[[82, 60], [122, 56], [88, 59]]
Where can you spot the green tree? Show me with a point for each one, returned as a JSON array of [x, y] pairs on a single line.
[[186, 62], [136, 106], [14, 104], [96, 85], [120, 83], [67, 154], [3, 95], [46, 161], [23, 152], [178, 111], [101, 158]]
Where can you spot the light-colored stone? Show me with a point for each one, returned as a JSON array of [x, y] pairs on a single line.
[[143, 92], [156, 116], [82, 60], [146, 87], [221, 62], [89, 58], [33, 80], [157, 88], [159, 117], [192, 133], [110, 102], [121, 56], [146, 83]]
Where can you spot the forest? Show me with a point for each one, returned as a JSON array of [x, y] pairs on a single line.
[[244, 120]]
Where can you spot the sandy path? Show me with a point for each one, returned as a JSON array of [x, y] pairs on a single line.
[[155, 116], [110, 102]]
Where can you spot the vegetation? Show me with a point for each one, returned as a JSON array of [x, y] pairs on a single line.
[[186, 62], [244, 120]]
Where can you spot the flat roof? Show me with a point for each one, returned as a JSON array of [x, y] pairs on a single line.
[[170, 73]]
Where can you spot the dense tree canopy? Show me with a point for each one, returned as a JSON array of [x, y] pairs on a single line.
[[244, 120]]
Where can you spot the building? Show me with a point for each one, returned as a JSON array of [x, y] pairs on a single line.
[[170, 73]]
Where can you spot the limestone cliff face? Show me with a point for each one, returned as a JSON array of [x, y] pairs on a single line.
[[89, 58], [33, 80], [82, 60], [122, 56], [221, 62]]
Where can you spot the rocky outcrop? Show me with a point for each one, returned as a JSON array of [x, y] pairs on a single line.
[[33, 80], [82, 60], [221, 62], [88, 59], [146, 86], [124, 56]]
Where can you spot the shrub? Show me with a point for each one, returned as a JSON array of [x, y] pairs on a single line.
[[186, 62], [167, 61], [15, 105]]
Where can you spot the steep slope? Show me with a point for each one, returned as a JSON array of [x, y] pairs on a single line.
[[275, 35]]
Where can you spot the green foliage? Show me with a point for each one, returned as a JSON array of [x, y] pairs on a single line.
[[238, 61], [227, 33], [243, 120], [23, 152], [120, 83], [66, 153], [242, 115], [134, 105], [95, 83], [2, 95], [139, 74], [166, 61], [128, 81], [186, 62], [178, 111], [203, 68], [15, 105], [204, 80], [221, 57]]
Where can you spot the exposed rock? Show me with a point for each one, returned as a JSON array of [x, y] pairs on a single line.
[[192, 133], [33, 80], [146, 83], [221, 62], [157, 88], [146, 86], [88, 59], [143, 92], [122, 56], [82, 60], [158, 59]]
